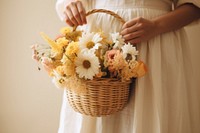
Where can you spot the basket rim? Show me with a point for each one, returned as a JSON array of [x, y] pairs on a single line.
[[108, 80]]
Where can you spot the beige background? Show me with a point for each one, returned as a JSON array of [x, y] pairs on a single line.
[[29, 102]]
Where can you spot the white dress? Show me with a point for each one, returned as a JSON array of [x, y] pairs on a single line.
[[167, 99]]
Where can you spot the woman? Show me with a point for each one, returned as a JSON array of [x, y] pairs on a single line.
[[166, 99]]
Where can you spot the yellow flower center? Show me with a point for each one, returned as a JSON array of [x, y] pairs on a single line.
[[90, 45], [61, 81], [86, 64], [129, 57]]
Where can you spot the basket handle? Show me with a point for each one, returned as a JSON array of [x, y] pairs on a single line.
[[104, 11]]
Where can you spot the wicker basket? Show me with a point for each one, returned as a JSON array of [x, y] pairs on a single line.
[[104, 96]]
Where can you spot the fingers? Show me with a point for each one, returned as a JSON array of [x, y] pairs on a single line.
[[82, 12], [129, 23], [132, 35], [128, 30], [75, 14], [135, 40], [133, 30], [68, 21], [70, 16]]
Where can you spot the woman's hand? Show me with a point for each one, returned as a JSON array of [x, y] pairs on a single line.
[[138, 30], [75, 14]]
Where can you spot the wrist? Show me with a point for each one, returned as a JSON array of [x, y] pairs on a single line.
[[157, 27]]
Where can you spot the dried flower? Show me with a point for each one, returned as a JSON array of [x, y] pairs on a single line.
[[75, 57]]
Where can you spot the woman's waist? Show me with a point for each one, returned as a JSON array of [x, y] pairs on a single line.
[[151, 4]]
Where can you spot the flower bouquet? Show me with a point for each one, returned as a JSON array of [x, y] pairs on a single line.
[[93, 67]]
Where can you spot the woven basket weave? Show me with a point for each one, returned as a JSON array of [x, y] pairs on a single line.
[[104, 96]]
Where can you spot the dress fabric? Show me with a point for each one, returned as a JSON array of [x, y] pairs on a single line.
[[166, 99]]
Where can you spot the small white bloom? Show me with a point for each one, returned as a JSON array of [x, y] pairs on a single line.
[[117, 39], [40, 51], [46, 60], [90, 41], [58, 80], [129, 52], [87, 65]]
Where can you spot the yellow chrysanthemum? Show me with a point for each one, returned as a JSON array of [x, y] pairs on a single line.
[[72, 50], [73, 36], [66, 70], [62, 42], [65, 30], [70, 34], [69, 68]]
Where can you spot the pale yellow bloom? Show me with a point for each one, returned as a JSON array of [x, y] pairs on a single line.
[[66, 30], [69, 69], [54, 45], [73, 36], [70, 34], [72, 48], [62, 42]]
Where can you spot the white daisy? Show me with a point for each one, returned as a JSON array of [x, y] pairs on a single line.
[[58, 80], [90, 41], [87, 65], [117, 39], [129, 52]]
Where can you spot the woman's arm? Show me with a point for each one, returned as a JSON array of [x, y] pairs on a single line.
[[140, 29], [179, 18]]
